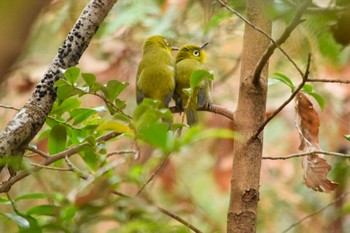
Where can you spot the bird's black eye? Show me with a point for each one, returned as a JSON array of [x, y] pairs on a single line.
[[196, 53], [166, 42]]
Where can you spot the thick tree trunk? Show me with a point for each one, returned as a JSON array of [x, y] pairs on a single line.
[[250, 113]]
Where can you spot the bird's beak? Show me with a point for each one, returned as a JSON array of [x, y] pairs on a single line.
[[203, 45], [173, 48]]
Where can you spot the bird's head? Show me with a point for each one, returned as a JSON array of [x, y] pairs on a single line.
[[192, 52], [157, 41]]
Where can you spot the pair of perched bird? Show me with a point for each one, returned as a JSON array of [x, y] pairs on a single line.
[[161, 77]]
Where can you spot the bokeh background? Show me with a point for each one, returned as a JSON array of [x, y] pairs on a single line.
[[195, 182]]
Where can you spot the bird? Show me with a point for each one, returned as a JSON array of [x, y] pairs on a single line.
[[189, 59], [155, 78]]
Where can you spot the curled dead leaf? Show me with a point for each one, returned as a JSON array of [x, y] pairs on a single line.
[[307, 122], [316, 170]]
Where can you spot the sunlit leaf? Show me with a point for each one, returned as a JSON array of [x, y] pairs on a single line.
[[116, 126], [72, 74], [66, 106], [198, 76], [48, 210], [81, 114], [66, 91], [90, 79], [284, 79], [33, 196], [19, 220]]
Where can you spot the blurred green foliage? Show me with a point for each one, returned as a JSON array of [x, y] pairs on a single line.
[[89, 105]]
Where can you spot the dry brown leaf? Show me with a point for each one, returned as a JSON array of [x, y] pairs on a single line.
[[95, 191], [308, 122], [316, 171]]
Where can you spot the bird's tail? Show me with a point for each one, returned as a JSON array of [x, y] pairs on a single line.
[[192, 116]]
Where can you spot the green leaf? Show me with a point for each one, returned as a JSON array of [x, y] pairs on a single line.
[[81, 114], [284, 79], [113, 89], [187, 91], [90, 158], [33, 196], [197, 133], [120, 104], [72, 74], [90, 79], [157, 135], [60, 82], [308, 88], [19, 220], [116, 126], [347, 137], [66, 91], [66, 106], [198, 76], [48, 210], [4, 201], [57, 141]]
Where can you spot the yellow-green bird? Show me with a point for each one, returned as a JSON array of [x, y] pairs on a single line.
[[156, 72], [191, 58]]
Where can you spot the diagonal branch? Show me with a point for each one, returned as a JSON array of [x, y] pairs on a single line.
[[285, 35], [262, 32], [29, 120], [291, 97], [164, 211], [316, 212], [6, 186]]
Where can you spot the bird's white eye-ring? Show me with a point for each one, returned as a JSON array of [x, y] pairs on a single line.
[[166, 42], [196, 53]]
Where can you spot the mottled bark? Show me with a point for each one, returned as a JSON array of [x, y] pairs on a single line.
[[249, 115], [29, 120]]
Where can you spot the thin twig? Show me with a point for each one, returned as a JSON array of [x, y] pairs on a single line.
[[164, 211], [179, 219], [285, 35], [297, 155], [291, 97], [8, 107], [316, 212], [110, 103], [39, 152], [328, 81], [51, 168], [262, 32], [75, 169], [121, 152], [161, 165], [6, 186]]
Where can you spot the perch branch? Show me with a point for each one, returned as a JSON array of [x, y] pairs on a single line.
[[291, 97], [217, 109]]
